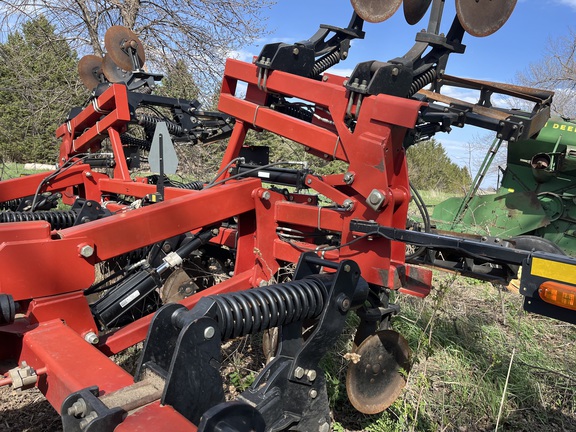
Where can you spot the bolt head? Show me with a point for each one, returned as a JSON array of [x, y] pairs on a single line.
[[299, 372], [86, 251], [313, 393], [209, 332], [311, 374], [92, 338]]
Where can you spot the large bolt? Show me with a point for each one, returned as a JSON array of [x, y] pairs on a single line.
[[375, 198], [349, 178], [78, 408], [86, 420], [92, 338], [86, 250], [299, 372], [311, 374]]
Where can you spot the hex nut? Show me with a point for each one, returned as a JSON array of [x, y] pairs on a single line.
[[86, 251]]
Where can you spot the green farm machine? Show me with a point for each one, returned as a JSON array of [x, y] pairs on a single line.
[[535, 204]]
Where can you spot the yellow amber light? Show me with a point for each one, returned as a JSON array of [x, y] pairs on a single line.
[[558, 294]]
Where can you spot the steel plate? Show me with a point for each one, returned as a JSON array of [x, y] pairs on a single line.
[[484, 17], [375, 11], [90, 71], [376, 381], [118, 40], [414, 10]]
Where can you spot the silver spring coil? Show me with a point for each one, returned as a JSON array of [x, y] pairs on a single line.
[[247, 312]]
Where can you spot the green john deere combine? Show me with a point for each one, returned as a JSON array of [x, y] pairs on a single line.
[[535, 205]]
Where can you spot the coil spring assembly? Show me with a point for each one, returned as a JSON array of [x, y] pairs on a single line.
[[421, 81], [248, 312], [57, 219], [325, 62], [149, 122], [195, 185], [296, 112], [136, 142], [11, 205]]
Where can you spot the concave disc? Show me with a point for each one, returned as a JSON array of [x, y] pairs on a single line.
[[90, 70], [376, 381], [118, 40], [375, 11], [414, 10], [484, 17], [177, 287], [113, 72]]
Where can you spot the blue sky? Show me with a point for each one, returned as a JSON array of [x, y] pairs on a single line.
[[534, 24]]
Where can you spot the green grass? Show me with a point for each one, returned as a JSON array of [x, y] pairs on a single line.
[[10, 170]]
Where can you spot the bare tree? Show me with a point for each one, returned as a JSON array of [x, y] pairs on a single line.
[[202, 33], [556, 71]]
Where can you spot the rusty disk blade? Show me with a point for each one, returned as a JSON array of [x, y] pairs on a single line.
[[414, 10], [113, 72], [375, 382], [90, 71], [118, 41], [484, 17], [375, 11], [177, 287]]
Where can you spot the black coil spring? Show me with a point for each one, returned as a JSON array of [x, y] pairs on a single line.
[[296, 112], [136, 142], [149, 122], [247, 312], [11, 205], [422, 81], [58, 219], [325, 62], [195, 185]]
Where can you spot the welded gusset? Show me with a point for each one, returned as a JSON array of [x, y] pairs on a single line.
[[183, 349]]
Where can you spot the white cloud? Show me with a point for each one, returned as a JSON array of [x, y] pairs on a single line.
[[569, 3]]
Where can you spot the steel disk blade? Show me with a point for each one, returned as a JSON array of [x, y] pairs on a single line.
[[113, 72], [117, 40], [375, 382], [375, 11], [90, 70], [414, 10], [483, 17]]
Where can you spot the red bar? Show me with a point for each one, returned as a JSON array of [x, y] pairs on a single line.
[[134, 229]]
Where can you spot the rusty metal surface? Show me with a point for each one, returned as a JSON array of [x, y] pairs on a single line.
[[117, 40], [528, 93], [375, 382], [89, 70], [375, 11], [483, 17], [414, 10], [113, 72], [488, 112]]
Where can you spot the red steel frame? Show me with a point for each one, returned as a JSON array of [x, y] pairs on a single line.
[[46, 274]]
